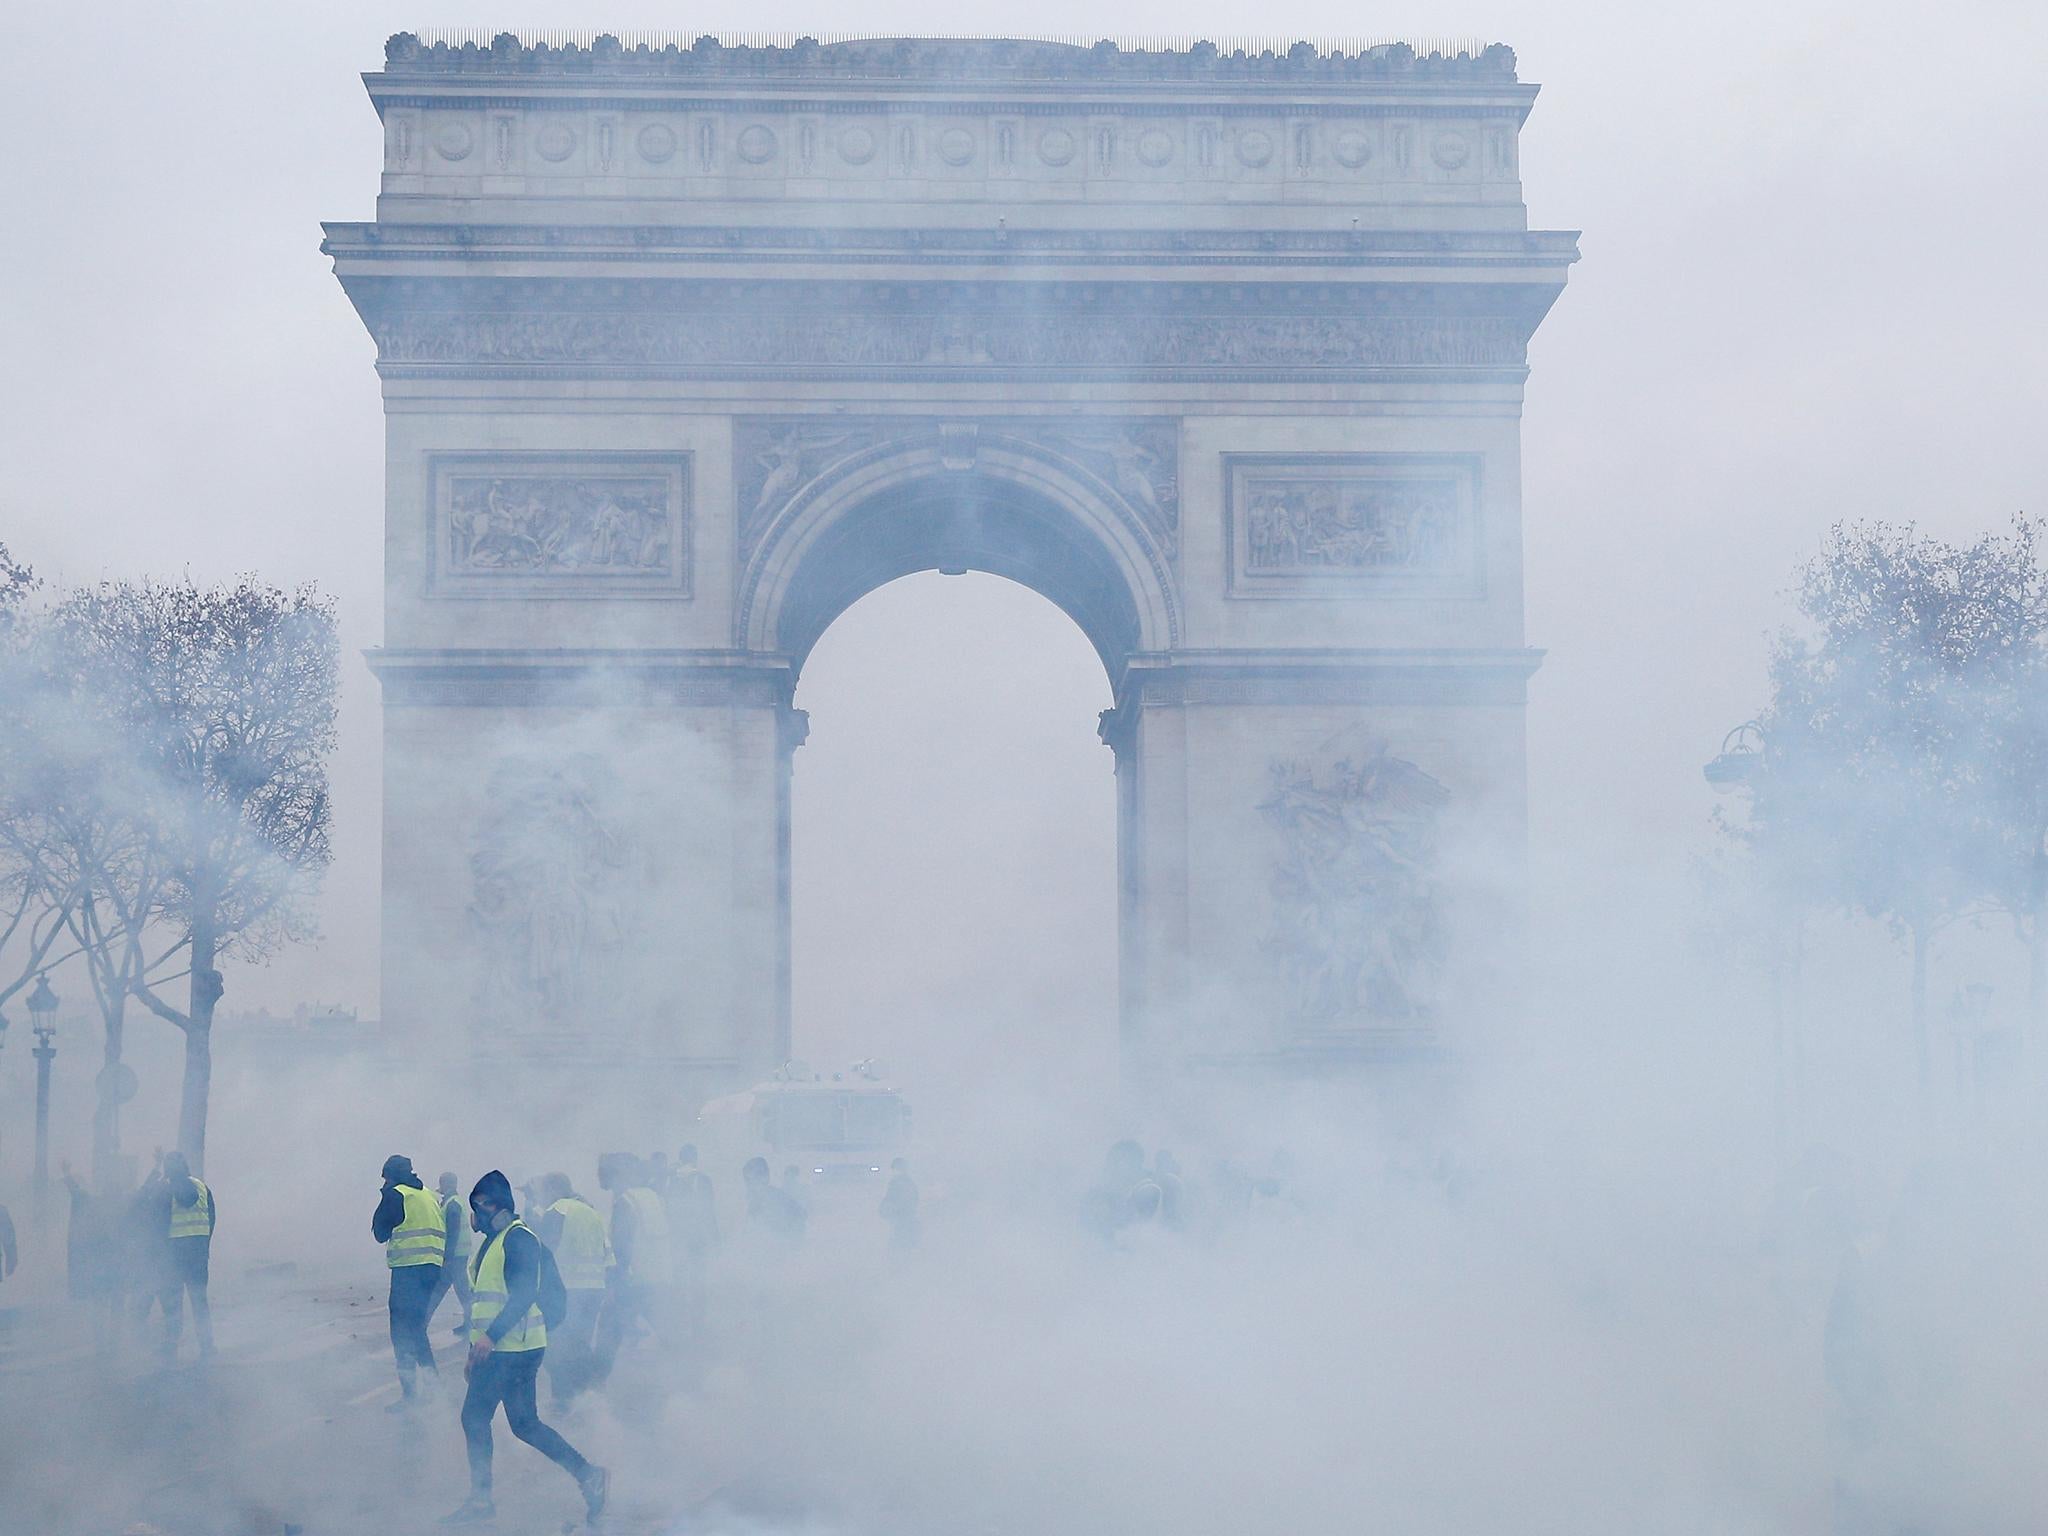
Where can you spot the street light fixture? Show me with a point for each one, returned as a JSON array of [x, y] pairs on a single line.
[[42, 1012], [1739, 762]]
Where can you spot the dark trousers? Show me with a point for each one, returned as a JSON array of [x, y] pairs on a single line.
[[412, 1290], [571, 1361], [511, 1378], [454, 1277], [188, 1267]]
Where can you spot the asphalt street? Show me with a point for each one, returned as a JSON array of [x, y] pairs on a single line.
[[287, 1431]]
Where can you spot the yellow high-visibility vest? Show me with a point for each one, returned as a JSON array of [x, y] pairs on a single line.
[[650, 1234], [583, 1252], [456, 1215], [421, 1236], [196, 1219], [487, 1295]]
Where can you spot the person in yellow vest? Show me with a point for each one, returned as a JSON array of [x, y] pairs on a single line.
[[190, 1217], [455, 1265], [410, 1224], [507, 1338], [574, 1232], [638, 1285]]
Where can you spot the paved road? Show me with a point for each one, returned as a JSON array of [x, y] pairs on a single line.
[[287, 1431]]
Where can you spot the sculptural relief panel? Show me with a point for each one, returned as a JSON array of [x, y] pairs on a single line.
[[1355, 931], [536, 525], [1354, 525]]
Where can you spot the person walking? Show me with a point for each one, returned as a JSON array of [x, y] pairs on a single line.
[[411, 1225], [454, 1274], [637, 1284], [508, 1337], [573, 1231], [190, 1215], [899, 1207]]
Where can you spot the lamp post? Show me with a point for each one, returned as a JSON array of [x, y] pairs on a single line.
[[42, 1012], [1743, 763]]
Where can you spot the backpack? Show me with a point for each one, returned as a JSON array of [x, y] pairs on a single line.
[[553, 1296]]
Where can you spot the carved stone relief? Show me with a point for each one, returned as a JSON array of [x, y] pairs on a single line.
[[513, 524], [548, 902], [1336, 523], [1356, 934], [1135, 461]]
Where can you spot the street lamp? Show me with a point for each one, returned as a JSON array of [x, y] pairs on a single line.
[[42, 1012], [1740, 760]]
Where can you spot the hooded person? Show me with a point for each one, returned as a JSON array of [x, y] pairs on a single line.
[[411, 1225], [190, 1217], [507, 1338]]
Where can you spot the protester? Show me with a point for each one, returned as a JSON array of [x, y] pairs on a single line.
[[899, 1207], [190, 1215], [455, 1263], [411, 1225], [508, 1337]]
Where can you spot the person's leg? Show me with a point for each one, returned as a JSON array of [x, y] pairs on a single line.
[[479, 1403], [199, 1262], [435, 1292], [522, 1415], [606, 1335], [420, 1280], [172, 1300], [396, 1302]]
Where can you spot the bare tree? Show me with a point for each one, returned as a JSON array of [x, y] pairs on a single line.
[[226, 700], [1890, 733]]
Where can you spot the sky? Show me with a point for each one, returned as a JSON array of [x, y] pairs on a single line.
[[1810, 292]]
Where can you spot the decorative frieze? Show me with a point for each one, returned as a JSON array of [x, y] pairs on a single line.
[[1068, 342], [1351, 525], [538, 525]]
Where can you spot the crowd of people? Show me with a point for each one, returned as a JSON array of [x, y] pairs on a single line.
[[133, 1251], [549, 1279]]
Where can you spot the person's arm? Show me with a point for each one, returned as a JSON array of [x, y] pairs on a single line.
[[7, 1254], [212, 1209], [522, 1281], [548, 1228], [390, 1212]]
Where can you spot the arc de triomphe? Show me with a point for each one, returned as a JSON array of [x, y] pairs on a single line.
[[686, 348]]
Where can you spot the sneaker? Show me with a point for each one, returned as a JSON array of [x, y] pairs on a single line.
[[403, 1405], [473, 1510], [597, 1487]]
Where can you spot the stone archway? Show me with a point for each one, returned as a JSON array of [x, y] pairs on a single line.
[[1083, 513], [684, 349]]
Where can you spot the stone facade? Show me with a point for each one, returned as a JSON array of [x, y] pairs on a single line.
[[684, 349]]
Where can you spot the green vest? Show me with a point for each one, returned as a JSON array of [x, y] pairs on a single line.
[[583, 1252], [650, 1234], [487, 1297], [421, 1236], [196, 1219]]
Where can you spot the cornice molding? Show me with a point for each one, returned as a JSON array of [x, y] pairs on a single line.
[[753, 243]]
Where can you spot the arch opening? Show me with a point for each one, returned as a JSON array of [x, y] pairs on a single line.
[[1006, 506], [953, 828], [956, 523]]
